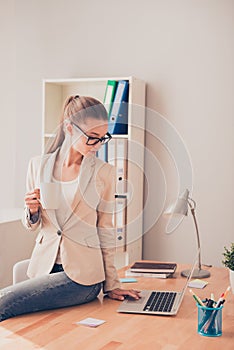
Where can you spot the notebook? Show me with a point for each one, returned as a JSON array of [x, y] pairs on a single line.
[[153, 267], [154, 302]]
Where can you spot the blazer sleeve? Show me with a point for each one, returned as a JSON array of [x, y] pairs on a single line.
[[106, 232], [30, 186]]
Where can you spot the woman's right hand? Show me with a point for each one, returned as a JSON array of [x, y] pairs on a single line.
[[32, 200]]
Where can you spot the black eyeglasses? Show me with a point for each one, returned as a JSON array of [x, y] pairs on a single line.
[[91, 141]]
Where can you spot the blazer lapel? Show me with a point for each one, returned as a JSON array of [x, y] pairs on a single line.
[[46, 174]]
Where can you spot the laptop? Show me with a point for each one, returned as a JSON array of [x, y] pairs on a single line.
[[154, 302]]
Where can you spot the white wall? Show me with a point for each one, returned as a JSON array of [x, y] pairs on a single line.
[[183, 49], [7, 102], [16, 245]]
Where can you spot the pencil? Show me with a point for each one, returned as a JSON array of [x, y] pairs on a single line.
[[198, 300]]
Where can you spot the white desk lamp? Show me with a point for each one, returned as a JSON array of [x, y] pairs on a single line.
[[181, 208]]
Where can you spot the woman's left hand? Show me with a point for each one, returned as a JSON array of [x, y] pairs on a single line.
[[120, 294]]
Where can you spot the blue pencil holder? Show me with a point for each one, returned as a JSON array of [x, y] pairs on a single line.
[[209, 321]]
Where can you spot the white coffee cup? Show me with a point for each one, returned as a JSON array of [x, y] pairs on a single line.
[[49, 195]]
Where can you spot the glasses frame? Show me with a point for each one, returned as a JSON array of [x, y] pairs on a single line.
[[102, 140]]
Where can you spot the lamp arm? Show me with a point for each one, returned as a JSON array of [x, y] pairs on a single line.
[[197, 273], [198, 238]]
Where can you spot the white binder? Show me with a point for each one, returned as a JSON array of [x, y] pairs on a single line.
[[121, 165], [120, 221], [111, 152]]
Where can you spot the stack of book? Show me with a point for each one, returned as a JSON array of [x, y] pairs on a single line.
[[152, 269]]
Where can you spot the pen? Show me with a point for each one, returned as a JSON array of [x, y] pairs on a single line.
[[226, 292], [222, 297], [198, 300]]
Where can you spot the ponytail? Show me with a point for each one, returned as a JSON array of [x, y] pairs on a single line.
[[76, 109]]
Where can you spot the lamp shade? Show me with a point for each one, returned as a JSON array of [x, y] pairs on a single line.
[[180, 207]]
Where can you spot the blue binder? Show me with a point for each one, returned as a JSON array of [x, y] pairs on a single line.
[[118, 122]]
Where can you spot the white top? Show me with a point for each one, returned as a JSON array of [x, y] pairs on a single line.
[[67, 190]]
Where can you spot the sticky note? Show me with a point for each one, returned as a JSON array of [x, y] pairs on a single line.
[[197, 283], [91, 322], [127, 280]]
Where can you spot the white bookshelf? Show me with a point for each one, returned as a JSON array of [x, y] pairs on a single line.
[[55, 91]]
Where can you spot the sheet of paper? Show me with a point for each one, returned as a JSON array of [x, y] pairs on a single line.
[[91, 322], [197, 283]]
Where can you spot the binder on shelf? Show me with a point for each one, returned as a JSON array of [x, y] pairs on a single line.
[[121, 165], [117, 150], [120, 220], [109, 95], [111, 152], [102, 152], [118, 121]]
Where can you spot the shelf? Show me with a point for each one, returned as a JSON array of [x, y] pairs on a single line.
[[86, 80]]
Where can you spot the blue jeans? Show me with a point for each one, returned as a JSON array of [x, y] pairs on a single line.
[[45, 293]]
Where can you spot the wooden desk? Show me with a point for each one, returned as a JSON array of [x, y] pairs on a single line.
[[55, 330]]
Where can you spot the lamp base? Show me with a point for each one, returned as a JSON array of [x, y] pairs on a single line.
[[197, 273]]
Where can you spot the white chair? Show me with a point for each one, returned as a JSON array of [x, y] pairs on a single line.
[[20, 271]]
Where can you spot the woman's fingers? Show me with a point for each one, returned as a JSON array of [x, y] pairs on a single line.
[[33, 195], [120, 294], [32, 200]]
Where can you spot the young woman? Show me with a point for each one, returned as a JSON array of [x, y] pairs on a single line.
[[73, 257]]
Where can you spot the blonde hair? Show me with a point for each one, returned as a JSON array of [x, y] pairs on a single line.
[[77, 109]]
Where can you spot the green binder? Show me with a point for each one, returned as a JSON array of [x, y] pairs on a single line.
[[110, 95]]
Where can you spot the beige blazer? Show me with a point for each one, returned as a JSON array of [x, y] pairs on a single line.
[[87, 238]]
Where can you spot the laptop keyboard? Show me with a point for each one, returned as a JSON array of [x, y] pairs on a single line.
[[160, 301]]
